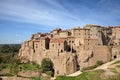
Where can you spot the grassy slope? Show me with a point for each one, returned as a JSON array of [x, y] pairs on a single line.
[[84, 76], [94, 75]]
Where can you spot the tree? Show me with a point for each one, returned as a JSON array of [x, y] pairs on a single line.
[[47, 66], [6, 49], [10, 48]]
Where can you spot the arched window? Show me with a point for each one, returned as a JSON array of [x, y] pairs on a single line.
[[57, 72], [115, 56], [61, 50], [59, 44]]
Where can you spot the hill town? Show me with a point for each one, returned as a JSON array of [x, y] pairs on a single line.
[[73, 49]]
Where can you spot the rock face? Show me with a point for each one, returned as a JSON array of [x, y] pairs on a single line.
[[72, 49]]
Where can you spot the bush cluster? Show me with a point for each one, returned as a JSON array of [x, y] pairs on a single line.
[[47, 66]]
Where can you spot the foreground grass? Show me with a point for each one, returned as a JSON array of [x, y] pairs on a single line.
[[91, 75], [95, 75], [29, 66], [116, 77], [15, 68], [35, 78]]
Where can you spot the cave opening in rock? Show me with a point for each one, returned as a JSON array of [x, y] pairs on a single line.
[[115, 56]]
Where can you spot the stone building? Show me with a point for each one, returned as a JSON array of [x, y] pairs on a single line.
[[73, 49], [58, 45]]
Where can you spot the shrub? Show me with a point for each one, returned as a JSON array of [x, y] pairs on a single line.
[[47, 65], [35, 78], [29, 66], [99, 63], [82, 69], [49, 73], [118, 66]]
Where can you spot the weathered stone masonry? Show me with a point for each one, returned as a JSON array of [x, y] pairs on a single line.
[[73, 49]]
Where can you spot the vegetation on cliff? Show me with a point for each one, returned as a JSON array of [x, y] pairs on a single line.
[[10, 64], [47, 66]]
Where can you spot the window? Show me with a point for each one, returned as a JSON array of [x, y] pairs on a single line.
[[59, 44], [72, 41], [36, 45], [68, 64], [115, 56], [61, 50], [34, 50], [53, 45], [57, 72]]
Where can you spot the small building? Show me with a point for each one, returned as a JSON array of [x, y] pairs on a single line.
[[58, 45]]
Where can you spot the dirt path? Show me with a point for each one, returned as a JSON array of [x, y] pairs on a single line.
[[75, 74], [105, 66]]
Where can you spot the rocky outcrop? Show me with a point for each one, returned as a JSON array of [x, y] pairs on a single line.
[[29, 73], [72, 49]]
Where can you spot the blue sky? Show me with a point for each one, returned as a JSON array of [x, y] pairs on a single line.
[[21, 18]]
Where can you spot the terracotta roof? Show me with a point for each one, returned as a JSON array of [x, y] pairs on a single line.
[[42, 38], [90, 39], [63, 38], [86, 29], [77, 28], [70, 37], [36, 40], [64, 31], [94, 25], [117, 26], [57, 40], [80, 29]]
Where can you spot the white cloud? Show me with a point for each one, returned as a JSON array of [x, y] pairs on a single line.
[[31, 12], [52, 13]]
